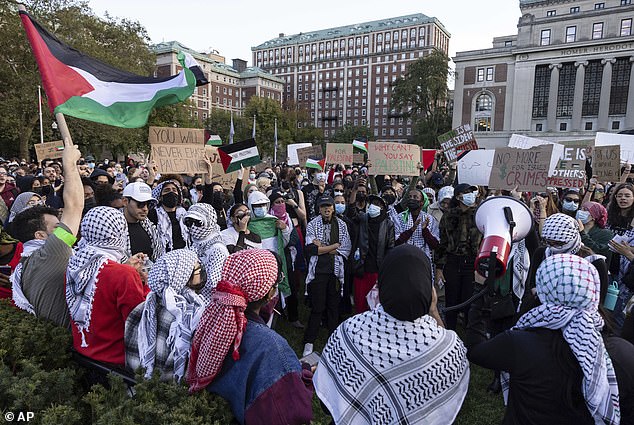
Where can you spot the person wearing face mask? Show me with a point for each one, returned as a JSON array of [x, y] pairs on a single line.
[[570, 202], [313, 191], [168, 215], [438, 208], [457, 249], [416, 227], [375, 238], [196, 191], [238, 236], [357, 203], [592, 218]]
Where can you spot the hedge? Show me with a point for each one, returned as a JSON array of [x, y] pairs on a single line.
[[37, 374]]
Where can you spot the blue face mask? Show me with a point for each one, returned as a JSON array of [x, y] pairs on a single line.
[[340, 208], [259, 212], [374, 210], [570, 206], [469, 199], [584, 216]]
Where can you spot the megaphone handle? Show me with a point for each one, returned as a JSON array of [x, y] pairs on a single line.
[[489, 282]]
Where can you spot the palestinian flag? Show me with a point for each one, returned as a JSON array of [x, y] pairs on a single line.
[[243, 153], [86, 88], [319, 164], [361, 144], [213, 139]]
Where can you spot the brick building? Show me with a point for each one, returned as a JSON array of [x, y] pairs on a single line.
[[566, 74], [229, 88], [343, 75]]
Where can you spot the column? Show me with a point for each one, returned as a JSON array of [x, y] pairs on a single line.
[[552, 97], [606, 87], [629, 116], [578, 99]]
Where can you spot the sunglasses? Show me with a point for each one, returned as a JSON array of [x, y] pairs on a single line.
[[142, 204], [576, 201], [189, 222], [555, 244], [599, 190], [241, 216]]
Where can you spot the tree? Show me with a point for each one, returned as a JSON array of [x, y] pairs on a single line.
[[119, 42], [421, 95], [348, 133]]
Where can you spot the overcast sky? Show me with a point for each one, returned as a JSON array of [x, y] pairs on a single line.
[[232, 27]]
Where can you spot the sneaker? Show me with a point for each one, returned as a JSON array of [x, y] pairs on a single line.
[[308, 348], [297, 324]]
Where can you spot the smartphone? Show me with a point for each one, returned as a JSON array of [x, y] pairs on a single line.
[[312, 359], [6, 270]]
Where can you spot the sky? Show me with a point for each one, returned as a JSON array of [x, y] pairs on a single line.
[[232, 27]]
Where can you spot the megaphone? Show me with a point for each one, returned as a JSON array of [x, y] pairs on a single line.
[[502, 220]]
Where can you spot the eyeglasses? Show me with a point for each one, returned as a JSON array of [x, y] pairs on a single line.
[[142, 204], [576, 201], [189, 222], [3, 173]]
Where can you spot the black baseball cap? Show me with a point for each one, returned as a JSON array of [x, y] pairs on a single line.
[[325, 200]]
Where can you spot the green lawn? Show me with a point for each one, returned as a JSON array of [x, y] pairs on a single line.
[[479, 407]]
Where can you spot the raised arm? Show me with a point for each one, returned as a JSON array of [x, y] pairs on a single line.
[[73, 191]]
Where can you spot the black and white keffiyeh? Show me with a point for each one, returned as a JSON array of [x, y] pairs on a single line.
[[521, 265], [568, 287], [158, 249], [207, 242], [562, 228], [164, 224], [167, 280], [104, 232], [376, 369], [319, 230], [19, 299]]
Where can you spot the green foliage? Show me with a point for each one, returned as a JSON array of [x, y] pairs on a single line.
[[422, 96], [349, 132]]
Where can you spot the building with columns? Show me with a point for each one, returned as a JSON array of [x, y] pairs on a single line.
[[565, 75], [343, 75], [229, 88]]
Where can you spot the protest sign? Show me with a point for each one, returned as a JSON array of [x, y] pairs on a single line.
[[525, 142], [358, 158], [291, 151], [427, 157], [313, 152], [178, 150], [457, 140], [339, 153], [525, 168], [474, 167], [606, 164], [625, 141], [571, 168], [393, 159], [49, 150]]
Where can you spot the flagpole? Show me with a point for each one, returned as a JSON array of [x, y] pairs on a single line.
[[253, 132], [63, 129], [39, 104], [275, 151]]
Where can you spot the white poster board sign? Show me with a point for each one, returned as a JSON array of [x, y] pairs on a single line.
[[291, 151], [474, 167], [626, 141], [525, 142]]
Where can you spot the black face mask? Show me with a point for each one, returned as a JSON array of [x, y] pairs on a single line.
[[361, 197], [37, 190], [90, 203], [46, 190], [199, 187], [170, 200], [218, 200], [389, 199], [413, 205]]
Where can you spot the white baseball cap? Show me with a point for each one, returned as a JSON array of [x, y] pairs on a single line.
[[138, 191]]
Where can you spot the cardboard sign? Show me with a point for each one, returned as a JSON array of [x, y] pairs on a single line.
[[474, 167], [571, 168], [176, 135], [393, 159], [606, 163], [49, 150], [313, 152], [178, 150], [291, 151], [227, 180], [625, 141], [358, 158], [525, 168], [339, 153], [456, 141], [525, 142]]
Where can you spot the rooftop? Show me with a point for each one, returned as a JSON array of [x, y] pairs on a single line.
[[363, 28]]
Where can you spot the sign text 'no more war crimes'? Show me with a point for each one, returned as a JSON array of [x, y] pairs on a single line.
[[526, 169], [339, 153], [393, 159], [178, 150], [457, 140]]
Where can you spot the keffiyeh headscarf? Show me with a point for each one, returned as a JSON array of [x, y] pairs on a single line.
[[20, 204], [104, 232], [247, 276], [207, 242], [562, 228], [164, 224], [568, 287], [167, 280], [598, 212]]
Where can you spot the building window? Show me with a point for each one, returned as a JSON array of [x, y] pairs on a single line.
[[592, 89], [490, 74], [616, 125], [625, 2], [480, 75], [545, 40], [598, 6], [483, 108], [571, 34], [574, 9], [620, 86], [566, 90], [538, 127], [563, 126], [626, 27], [589, 125], [542, 89], [597, 30], [551, 13]]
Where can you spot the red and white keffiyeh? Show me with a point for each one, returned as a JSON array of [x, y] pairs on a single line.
[[247, 276]]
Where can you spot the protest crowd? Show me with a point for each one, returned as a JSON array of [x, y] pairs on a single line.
[[186, 278]]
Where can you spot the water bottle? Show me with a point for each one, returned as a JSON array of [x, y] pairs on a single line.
[[611, 296]]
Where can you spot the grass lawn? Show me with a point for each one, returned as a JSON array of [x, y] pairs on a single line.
[[479, 407]]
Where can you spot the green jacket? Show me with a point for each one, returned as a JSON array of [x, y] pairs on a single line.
[[597, 240], [458, 235]]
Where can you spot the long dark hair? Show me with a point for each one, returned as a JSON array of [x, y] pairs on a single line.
[[615, 219]]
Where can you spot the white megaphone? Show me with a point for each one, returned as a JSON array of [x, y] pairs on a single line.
[[502, 220]]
